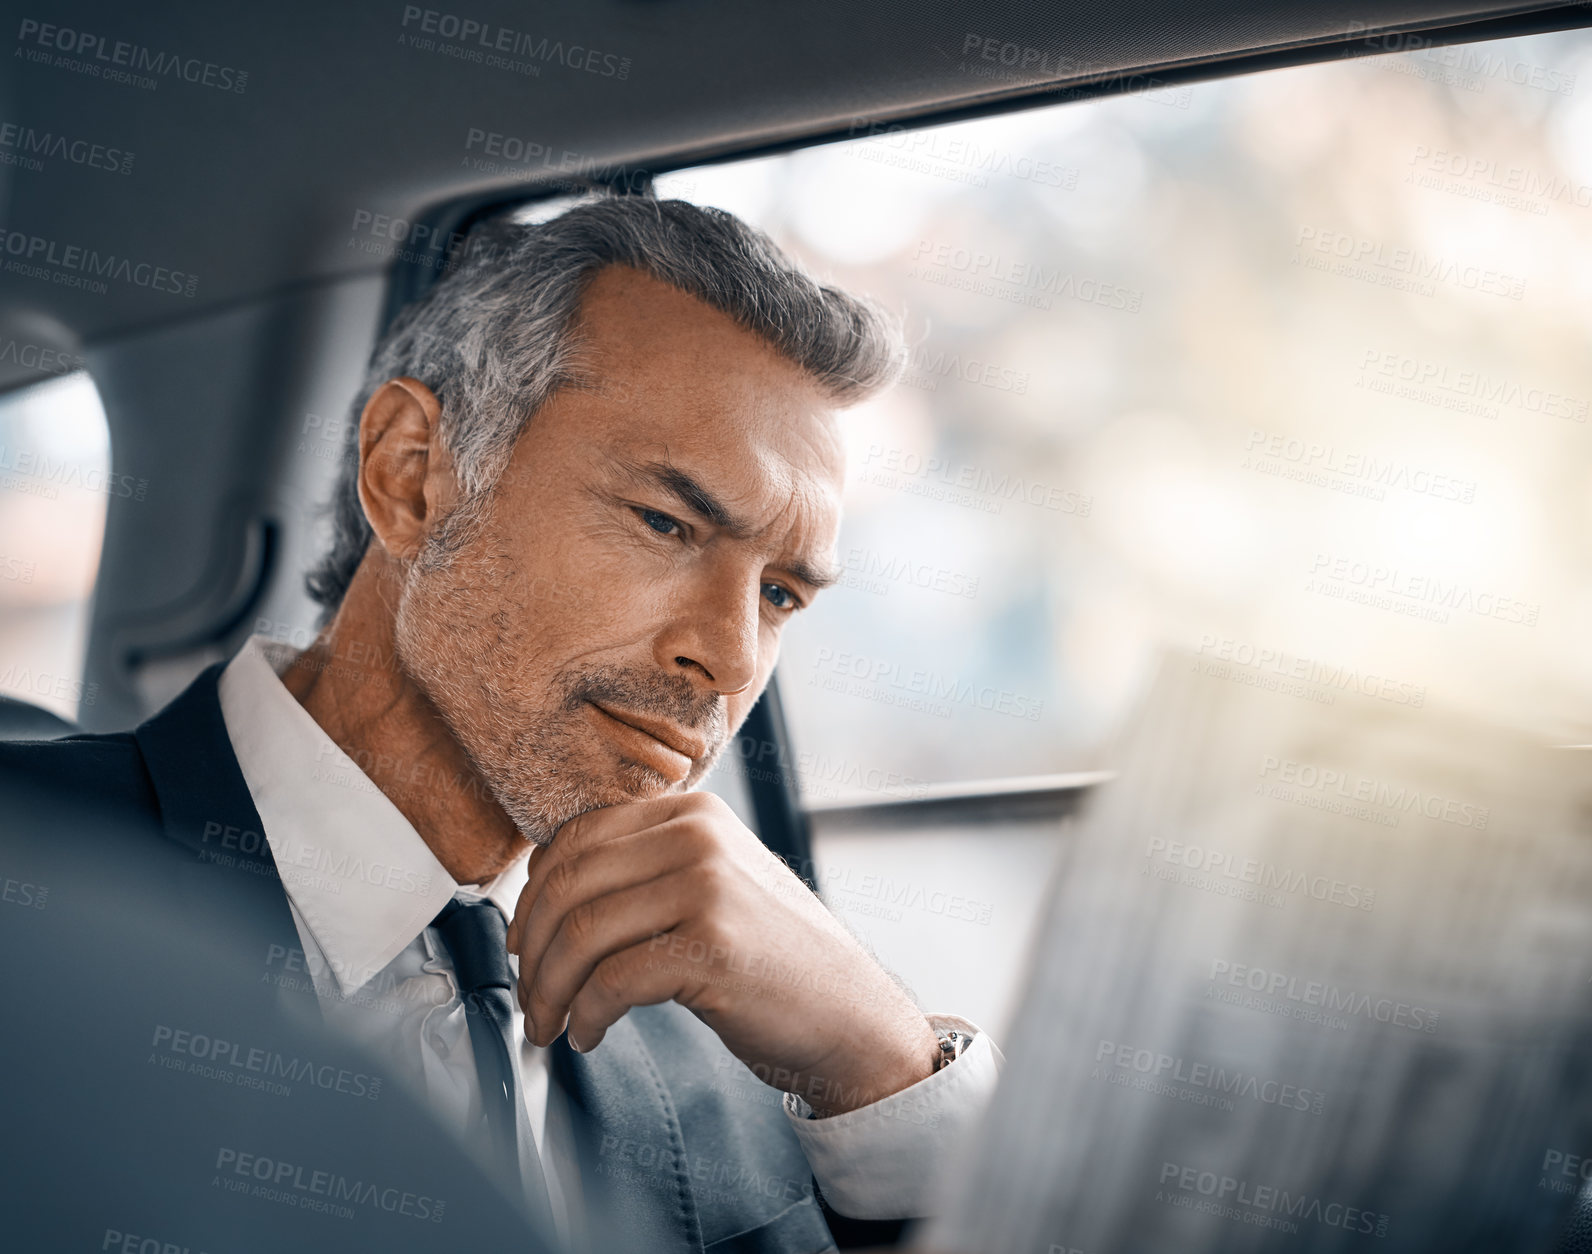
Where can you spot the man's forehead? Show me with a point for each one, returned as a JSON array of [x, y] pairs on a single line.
[[671, 368], [629, 309], [643, 336]]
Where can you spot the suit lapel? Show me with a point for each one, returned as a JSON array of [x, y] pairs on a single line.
[[197, 779], [205, 806], [632, 1147]]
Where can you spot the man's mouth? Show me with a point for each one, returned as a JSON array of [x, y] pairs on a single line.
[[665, 747]]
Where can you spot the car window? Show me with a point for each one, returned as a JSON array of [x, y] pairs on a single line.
[[55, 484], [1283, 374], [1286, 372]]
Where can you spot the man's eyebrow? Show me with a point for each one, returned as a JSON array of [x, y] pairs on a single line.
[[815, 578], [684, 488]]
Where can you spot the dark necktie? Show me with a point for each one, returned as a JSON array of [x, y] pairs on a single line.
[[474, 936]]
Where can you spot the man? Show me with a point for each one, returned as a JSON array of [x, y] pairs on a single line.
[[598, 470]]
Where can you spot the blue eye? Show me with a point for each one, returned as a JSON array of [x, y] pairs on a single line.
[[781, 599], [661, 523]]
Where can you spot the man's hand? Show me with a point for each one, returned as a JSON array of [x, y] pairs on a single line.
[[674, 899]]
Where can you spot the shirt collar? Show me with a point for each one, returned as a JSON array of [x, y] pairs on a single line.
[[502, 890], [360, 876]]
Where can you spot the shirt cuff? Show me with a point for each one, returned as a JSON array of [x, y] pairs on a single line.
[[881, 1161]]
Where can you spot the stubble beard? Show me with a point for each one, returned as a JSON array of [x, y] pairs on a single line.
[[452, 647]]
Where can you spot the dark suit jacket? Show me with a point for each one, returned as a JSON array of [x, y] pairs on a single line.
[[149, 852]]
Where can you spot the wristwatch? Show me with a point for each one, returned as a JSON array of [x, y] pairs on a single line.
[[952, 1046]]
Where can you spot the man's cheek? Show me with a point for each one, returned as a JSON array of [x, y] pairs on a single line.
[[556, 595]]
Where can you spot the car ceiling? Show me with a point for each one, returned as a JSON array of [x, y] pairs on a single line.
[[254, 193]]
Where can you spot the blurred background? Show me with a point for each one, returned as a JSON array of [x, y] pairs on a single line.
[[1174, 349], [55, 477]]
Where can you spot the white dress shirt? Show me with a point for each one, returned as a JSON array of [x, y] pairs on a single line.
[[364, 886]]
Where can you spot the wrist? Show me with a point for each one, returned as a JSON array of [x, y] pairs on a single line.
[[911, 1056]]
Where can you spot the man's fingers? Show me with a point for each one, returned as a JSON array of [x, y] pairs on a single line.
[[607, 822], [538, 855], [588, 875], [590, 933], [588, 831], [568, 842], [631, 977]]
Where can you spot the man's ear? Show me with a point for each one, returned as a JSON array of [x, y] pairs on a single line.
[[405, 476]]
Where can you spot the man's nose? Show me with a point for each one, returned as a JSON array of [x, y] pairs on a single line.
[[712, 636]]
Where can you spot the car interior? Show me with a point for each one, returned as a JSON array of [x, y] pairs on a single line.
[[1217, 578]]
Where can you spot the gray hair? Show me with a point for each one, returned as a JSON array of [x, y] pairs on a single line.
[[495, 338]]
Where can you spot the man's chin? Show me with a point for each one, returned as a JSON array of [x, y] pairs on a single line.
[[625, 784], [633, 781]]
